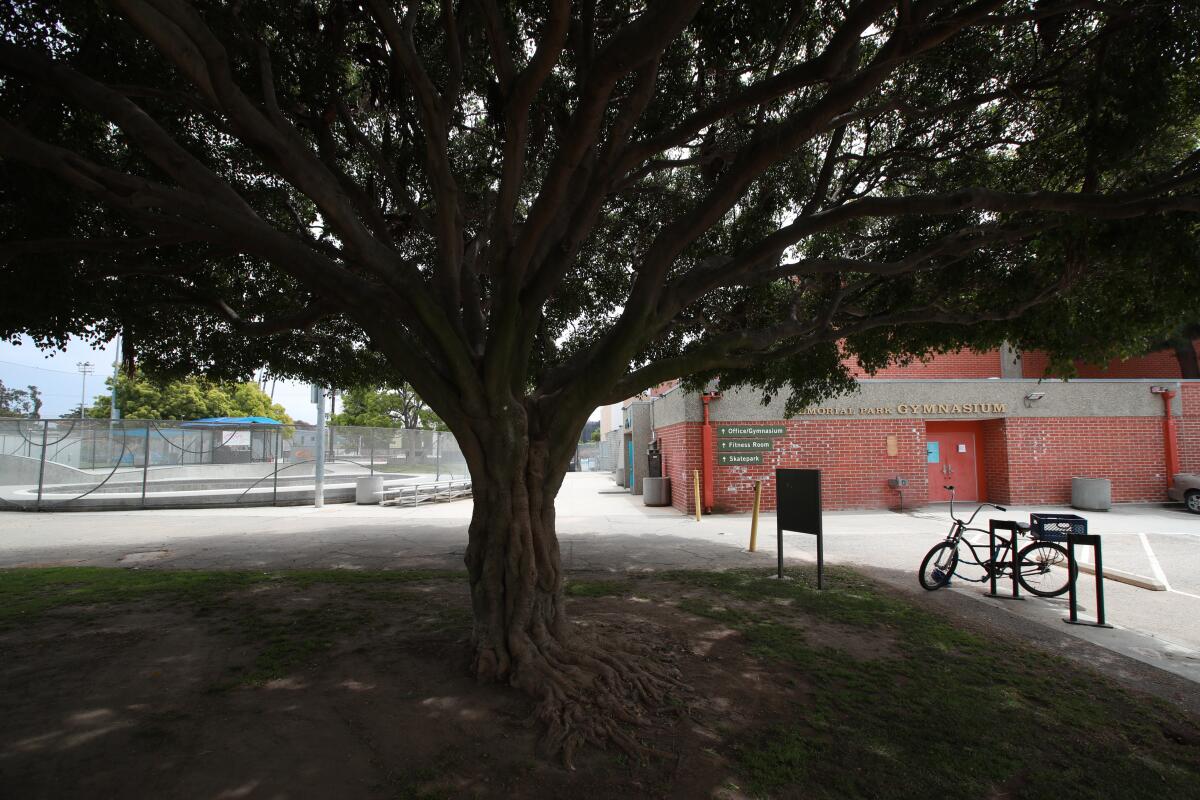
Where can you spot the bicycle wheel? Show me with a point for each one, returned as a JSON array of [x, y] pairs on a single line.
[[938, 566], [1043, 569]]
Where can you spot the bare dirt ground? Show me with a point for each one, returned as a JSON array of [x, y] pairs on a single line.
[[372, 700], [355, 685]]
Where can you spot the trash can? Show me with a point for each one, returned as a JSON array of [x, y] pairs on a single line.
[[656, 491], [1091, 494], [369, 490]]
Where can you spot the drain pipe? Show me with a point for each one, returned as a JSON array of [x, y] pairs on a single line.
[[707, 459], [1169, 450]]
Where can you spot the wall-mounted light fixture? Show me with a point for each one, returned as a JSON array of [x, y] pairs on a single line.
[[1032, 398]]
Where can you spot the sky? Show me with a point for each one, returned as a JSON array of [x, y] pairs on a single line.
[[55, 374]]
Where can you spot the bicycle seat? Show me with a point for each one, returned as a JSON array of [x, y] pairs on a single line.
[[948, 488], [1023, 527]]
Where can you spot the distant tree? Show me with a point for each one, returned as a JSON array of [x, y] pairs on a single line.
[[25, 402], [386, 408], [596, 435], [589, 430], [146, 397]]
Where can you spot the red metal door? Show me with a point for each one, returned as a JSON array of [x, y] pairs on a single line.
[[951, 459]]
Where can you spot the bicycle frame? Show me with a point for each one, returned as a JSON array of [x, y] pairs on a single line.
[[999, 563], [1002, 555]]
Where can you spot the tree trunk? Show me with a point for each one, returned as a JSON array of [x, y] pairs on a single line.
[[1185, 353], [583, 689]]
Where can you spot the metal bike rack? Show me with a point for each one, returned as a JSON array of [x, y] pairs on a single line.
[[1072, 529], [1003, 525], [1092, 540]]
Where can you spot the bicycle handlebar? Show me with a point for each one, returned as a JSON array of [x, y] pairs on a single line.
[[950, 489]]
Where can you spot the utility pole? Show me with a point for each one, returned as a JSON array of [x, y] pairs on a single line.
[[85, 368], [114, 409], [319, 484]]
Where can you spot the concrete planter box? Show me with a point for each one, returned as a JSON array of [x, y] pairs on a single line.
[[369, 490], [1091, 494], [656, 491]]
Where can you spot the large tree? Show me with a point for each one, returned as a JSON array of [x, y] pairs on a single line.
[[391, 407], [25, 402], [194, 397], [527, 209]]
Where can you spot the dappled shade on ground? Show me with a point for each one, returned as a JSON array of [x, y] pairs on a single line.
[[355, 684]]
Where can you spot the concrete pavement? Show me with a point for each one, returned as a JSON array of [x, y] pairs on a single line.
[[601, 528]]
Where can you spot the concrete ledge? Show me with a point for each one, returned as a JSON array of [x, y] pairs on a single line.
[[1121, 576]]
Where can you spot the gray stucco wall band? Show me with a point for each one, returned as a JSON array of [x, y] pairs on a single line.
[[983, 399], [638, 415], [676, 406]]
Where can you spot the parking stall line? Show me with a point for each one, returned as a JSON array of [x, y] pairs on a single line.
[[1154, 565]]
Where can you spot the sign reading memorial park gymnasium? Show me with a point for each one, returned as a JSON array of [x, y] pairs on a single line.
[[906, 410]]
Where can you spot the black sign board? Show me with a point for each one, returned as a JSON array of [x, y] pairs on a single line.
[[798, 509]]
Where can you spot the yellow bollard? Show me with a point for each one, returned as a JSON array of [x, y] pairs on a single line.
[[754, 518], [696, 477]]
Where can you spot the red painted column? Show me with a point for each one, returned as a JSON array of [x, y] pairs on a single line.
[[1169, 438], [707, 460]]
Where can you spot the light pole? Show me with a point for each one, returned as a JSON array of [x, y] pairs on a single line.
[[85, 368], [319, 471], [114, 412]]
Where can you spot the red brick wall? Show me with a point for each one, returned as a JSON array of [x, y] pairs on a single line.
[[960, 364], [1044, 454], [852, 455], [680, 445], [995, 461], [1159, 364], [1026, 461], [1189, 428]]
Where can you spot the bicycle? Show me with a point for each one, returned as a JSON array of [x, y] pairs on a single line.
[[1035, 562]]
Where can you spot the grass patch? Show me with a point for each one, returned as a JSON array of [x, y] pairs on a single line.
[[26, 593], [576, 588], [283, 641], [947, 713]]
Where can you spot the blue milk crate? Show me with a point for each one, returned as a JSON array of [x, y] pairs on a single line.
[[1055, 527]]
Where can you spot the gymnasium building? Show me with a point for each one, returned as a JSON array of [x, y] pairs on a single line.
[[987, 423]]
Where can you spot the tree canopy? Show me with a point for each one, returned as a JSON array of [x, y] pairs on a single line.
[[196, 397], [25, 402], [385, 408], [616, 194]]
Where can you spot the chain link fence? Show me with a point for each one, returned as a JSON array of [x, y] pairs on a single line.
[[89, 464], [597, 456]]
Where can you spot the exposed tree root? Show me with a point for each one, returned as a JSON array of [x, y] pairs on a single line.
[[594, 691]]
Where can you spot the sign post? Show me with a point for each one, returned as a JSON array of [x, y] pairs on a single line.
[[798, 509]]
